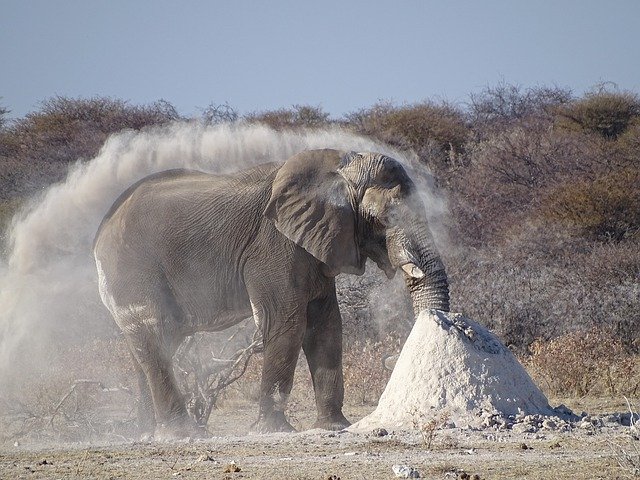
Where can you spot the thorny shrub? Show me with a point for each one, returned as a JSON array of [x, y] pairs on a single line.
[[437, 132], [606, 113], [428, 424], [298, 116], [582, 363], [89, 393], [505, 105], [365, 375], [606, 208]]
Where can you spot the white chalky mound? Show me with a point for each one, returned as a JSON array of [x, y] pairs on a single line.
[[451, 364]]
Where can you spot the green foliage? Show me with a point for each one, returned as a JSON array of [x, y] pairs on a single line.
[[605, 113]]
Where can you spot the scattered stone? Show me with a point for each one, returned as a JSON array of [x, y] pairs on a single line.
[[379, 432], [549, 424], [404, 471], [206, 458], [524, 446], [333, 477], [232, 468], [524, 428], [466, 476], [564, 412], [44, 462]]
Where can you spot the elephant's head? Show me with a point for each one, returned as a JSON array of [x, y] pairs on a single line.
[[346, 207]]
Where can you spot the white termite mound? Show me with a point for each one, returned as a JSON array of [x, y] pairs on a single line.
[[451, 364]]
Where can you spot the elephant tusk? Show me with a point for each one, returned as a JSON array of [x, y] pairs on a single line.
[[413, 271]]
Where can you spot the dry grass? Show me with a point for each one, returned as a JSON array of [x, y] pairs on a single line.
[[594, 362]]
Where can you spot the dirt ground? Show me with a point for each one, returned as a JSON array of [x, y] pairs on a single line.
[[314, 454]]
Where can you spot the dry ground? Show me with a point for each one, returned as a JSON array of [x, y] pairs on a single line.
[[317, 454]]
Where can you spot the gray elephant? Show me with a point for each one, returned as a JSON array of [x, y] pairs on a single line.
[[183, 251]]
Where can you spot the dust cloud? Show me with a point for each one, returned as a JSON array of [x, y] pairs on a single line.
[[48, 285]]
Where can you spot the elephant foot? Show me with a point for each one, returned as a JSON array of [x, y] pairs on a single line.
[[272, 423], [334, 422]]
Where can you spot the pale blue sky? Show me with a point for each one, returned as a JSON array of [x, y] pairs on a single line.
[[340, 54]]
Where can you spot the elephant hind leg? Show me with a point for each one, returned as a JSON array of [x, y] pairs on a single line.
[[153, 354], [146, 413]]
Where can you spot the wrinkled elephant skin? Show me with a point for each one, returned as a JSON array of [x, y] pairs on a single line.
[[184, 251]]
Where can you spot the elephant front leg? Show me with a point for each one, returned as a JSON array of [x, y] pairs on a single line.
[[323, 349], [282, 348]]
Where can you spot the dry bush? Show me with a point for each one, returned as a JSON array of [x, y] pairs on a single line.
[[586, 362], [215, 114], [541, 284], [428, 425], [606, 113], [365, 375], [36, 149], [508, 171], [506, 106], [206, 364], [298, 116], [435, 132], [88, 394], [605, 208]]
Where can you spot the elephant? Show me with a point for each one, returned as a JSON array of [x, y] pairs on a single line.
[[182, 251]]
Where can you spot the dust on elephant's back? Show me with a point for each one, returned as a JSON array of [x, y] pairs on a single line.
[[184, 251]]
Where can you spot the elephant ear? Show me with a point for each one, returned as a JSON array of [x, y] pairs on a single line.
[[311, 204]]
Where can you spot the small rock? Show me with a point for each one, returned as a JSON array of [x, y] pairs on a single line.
[[524, 446], [206, 458], [333, 477], [549, 424], [379, 432], [232, 468], [524, 428], [597, 422], [564, 411], [404, 471], [585, 424]]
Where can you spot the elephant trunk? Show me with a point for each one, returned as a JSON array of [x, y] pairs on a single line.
[[424, 273]]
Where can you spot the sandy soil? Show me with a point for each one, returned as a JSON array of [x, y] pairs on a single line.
[[580, 453]]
